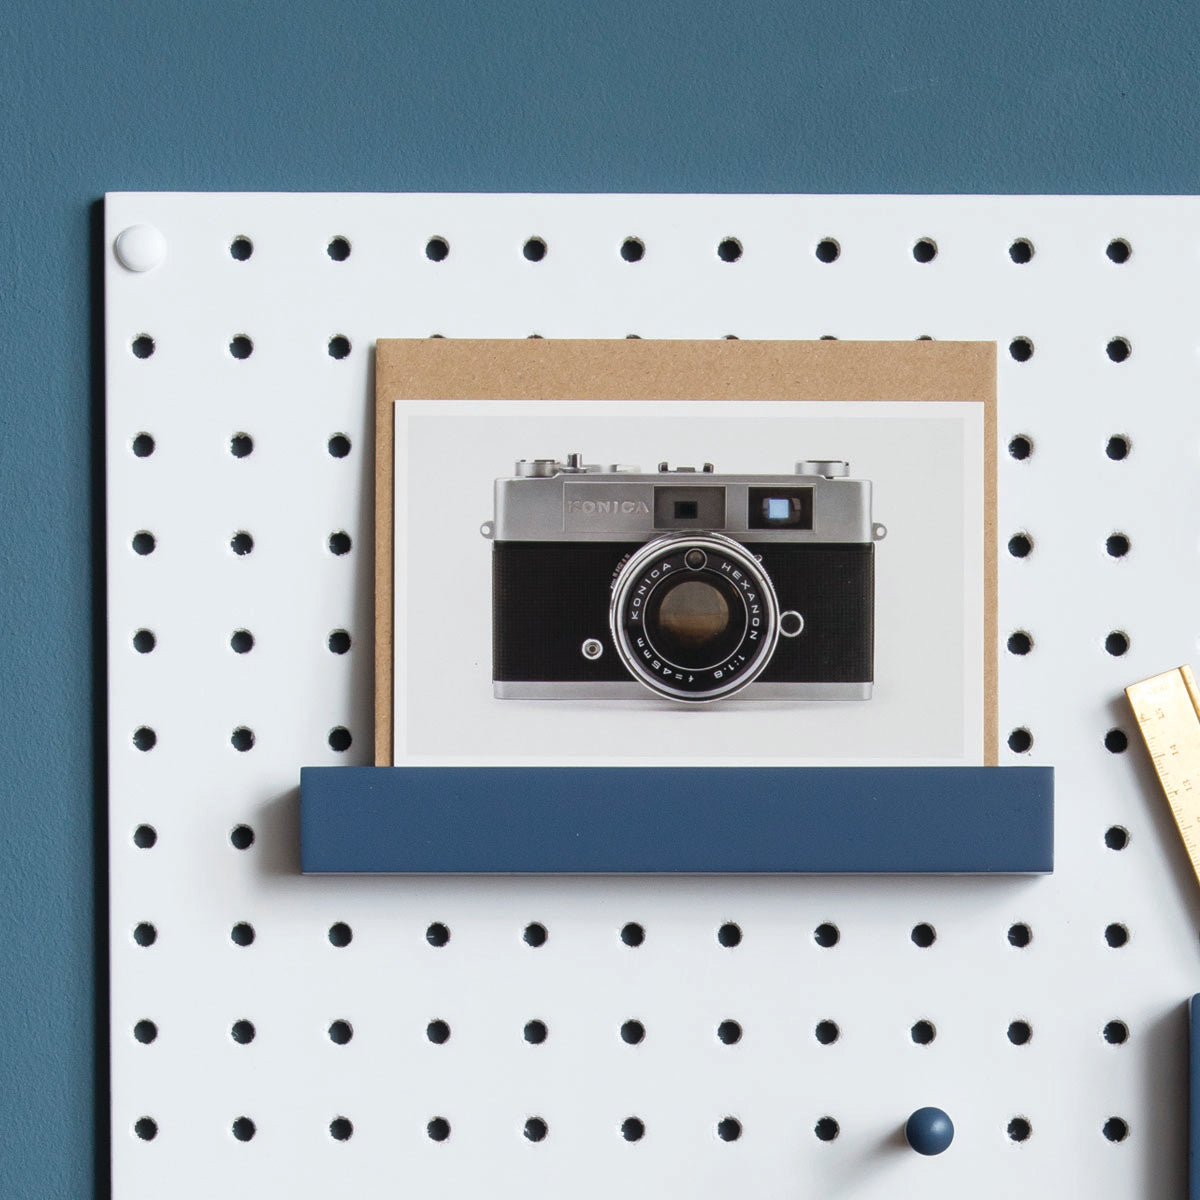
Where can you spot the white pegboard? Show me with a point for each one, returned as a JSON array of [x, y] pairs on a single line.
[[195, 1080]]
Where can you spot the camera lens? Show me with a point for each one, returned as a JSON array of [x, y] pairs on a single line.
[[694, 616], [694, 622]]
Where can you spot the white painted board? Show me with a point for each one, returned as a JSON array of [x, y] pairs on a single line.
[[389, 1081]]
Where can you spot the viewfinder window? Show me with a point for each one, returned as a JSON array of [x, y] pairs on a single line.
[[780, 508], [679, 507]]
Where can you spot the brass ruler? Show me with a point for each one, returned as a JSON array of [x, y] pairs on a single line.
[[1167, 709]]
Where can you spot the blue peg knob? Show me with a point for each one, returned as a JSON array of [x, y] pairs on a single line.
[[929, 1131]]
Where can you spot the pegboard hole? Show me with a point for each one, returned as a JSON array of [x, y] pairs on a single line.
[[340, 739], [1116, 1129], [729, 1129], [1116, 935], [1020, 642], [633, 934], [1020, 741], [729, 1032], [828, 250], [923, 935], [340, 934], [633, 1129], [241, 445], [241, 543], [438, 1129], [1019, 1129], [437, 249], [534, 249], [1021, 349], [1020, 545], [241, 641], [535, 1032], [339, 641], [729, 250], [242, 739], [826, 1129], [243, 1129], [240, 346], [1021, 447], [1021, 251], [923, 1032], [145, 934], [827, 935], [633, 1033], [827, 1032], [145, 1031], [633, 249], [1118, 349], [339, 542], [145, 738], [1119, 250], [438, 1032], [1020, 935], [144, 641], [143, 542], [1019, 1032], [340, 1032], [1117, 447], [1116, 545], [243, 1032], [339, 445], [535, 934], [241, 837], [729, 935], [242, 934], [142, 445], [338, 249], [925, 250], [1116, 837], [341, 1129], [144, 836], [146, 1128], [437, 934], [536, 1129], [241, 248], [1116, 741], [1117, 643], [339, 346], [1116, 1033], [142, 346]]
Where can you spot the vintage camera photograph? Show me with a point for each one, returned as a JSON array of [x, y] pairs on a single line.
[[656, 582], [692, 585]]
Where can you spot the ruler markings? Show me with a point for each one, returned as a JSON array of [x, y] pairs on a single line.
[[1167, 710]]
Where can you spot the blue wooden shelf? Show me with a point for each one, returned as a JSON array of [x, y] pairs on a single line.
[[677, 820]]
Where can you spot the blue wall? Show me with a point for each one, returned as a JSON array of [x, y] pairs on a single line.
[[904, 95]]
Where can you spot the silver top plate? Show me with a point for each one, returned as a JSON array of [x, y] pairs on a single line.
[[553, 501]]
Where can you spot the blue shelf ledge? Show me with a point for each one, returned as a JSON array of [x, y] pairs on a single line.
[[677, 820]]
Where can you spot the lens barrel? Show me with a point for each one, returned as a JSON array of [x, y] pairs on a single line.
[[693, 616]]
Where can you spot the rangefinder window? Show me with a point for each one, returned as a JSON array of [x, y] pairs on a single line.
[[689, 508], [780, 508]]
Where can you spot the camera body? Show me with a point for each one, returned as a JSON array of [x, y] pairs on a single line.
[[609, 583]]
